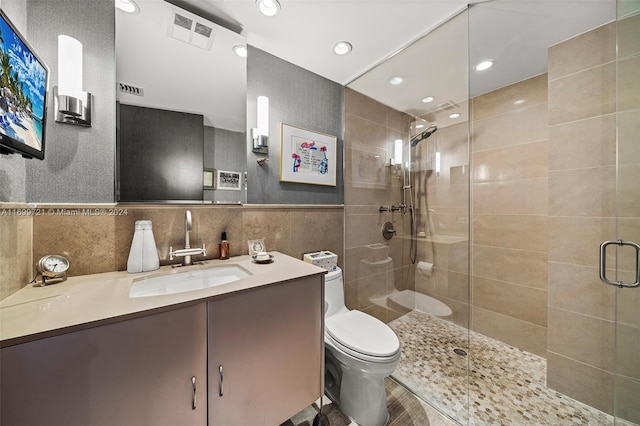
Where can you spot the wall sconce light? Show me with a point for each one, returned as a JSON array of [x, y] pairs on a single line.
[[397, 153], [72, 105], [260, 134], [437, 163]]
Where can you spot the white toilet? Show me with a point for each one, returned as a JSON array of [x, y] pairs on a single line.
[[360, 351]]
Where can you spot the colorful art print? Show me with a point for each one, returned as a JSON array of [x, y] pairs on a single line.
[[307, 156], [228, 180]]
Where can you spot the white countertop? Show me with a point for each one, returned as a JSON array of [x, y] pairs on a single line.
[[89, 300]]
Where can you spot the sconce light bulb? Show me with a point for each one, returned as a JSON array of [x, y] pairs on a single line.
[[69, 67], [397, 152], [263, 115]]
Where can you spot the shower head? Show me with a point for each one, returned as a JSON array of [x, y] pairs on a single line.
[[424, 135]]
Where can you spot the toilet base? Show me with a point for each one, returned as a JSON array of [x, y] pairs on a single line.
[[359, 396]]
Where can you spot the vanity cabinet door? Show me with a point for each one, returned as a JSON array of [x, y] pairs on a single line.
[[269, 343], [135, 372]]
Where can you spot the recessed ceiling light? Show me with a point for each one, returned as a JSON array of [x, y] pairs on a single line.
[[395, 80], [128, 6], [342, 48], [240, 50], [268, 7], [484, 65], [427, 99], [454, 115]]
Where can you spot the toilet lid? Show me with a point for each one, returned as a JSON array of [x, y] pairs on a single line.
[[363, 333]]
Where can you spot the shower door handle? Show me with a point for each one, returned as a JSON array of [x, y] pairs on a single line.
[[603, 263]]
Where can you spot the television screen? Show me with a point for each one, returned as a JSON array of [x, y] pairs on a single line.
[[23, 92]]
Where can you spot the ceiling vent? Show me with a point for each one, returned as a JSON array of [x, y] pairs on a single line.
[[190, 28], [130, 90], [448, 106]]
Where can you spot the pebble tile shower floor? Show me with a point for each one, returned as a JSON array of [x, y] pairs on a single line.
[[507, 386]]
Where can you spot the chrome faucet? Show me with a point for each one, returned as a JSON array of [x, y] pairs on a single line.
[[187, 251]]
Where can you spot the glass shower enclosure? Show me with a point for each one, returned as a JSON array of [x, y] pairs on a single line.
[[492, 281]]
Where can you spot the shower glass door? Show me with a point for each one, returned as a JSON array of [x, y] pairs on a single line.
[[435, 334], [423, 293], [627, 372]]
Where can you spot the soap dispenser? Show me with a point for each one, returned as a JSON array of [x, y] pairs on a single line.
[[143, 255]]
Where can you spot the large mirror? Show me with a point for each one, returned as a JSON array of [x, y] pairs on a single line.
[[181, 107]]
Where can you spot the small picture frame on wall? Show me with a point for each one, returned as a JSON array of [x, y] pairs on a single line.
[[229, 181], [208, 179]]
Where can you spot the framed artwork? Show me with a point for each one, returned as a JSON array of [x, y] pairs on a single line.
[[307, 156], [256, 246], [208, 179], [230, 181]]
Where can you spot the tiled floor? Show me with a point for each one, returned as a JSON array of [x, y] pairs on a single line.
[[405, 409], [506, 385]]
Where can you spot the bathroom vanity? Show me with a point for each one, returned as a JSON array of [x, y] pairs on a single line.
[[85, 352]]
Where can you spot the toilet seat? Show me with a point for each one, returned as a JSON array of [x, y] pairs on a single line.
[[362, 336]]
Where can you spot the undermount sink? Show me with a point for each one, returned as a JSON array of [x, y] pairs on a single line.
[[188, 280]]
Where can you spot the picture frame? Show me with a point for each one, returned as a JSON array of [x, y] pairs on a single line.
[[256, 246], [228, 180], [307, 157], [208, 179]]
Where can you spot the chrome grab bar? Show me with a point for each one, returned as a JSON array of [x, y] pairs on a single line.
[[603, 263]]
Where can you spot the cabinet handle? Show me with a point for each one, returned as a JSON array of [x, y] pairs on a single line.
[[193, 393], [221, 389]]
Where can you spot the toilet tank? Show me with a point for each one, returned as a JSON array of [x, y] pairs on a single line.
[[334, 293]]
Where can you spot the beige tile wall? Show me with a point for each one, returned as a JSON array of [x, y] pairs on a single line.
[[100, 243], [370, 131], [442, 212], [510, 161], [582, 210], [16, 266]]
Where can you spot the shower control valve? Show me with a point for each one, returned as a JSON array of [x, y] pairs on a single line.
[[392, 208]]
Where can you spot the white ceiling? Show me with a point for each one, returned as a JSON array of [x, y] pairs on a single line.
[[178, 76], [305, 31], [515, 33]]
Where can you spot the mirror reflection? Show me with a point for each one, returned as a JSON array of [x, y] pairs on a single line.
[[181, 93]]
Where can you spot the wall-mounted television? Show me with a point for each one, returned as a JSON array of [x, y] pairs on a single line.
[[23, 94]]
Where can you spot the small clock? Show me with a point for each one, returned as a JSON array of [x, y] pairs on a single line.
[[52, 267]]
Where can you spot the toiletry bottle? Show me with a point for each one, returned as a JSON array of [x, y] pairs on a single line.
[[134, 262], [224, 247]]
